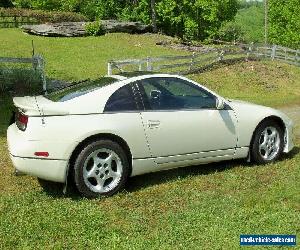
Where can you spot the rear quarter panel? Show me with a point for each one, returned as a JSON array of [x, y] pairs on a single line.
[[61, 134]]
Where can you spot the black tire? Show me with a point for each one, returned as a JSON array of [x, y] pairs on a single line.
[[258, 153], [88, 186]]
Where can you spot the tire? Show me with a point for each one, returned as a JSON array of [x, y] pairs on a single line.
[[101, 169], [268, 142]]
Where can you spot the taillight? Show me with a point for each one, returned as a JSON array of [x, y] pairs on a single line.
[[21, 121]]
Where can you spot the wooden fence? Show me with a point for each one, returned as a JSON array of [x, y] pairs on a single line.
[[194, 62], [36, 61], [277, 52]]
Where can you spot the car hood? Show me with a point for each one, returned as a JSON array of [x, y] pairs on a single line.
[[255, 111]]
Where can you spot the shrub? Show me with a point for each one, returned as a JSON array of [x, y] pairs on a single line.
[[94, 28], [20, 82], [230, 32], [43, 16]]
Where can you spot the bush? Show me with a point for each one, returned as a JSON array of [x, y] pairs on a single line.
[[94, 28], [230, 32], [44, 16], [20, 82]]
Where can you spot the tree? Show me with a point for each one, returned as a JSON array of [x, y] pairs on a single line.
[[194, 19], [284, 22]]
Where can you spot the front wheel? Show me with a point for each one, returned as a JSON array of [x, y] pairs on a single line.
[[268, 142], [101, 169]]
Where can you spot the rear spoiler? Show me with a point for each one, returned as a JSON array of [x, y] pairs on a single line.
[[38, 106]]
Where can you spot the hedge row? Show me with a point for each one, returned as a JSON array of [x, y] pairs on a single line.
[[43, 16]]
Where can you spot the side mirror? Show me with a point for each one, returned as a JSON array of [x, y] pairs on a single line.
[[155, 94], [220, 104]]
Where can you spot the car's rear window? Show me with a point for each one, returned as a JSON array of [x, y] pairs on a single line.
[[79, 89]]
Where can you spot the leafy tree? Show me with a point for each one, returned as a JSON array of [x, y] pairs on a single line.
[[284, 22], [251, 21], [194, 19], [188, 19]]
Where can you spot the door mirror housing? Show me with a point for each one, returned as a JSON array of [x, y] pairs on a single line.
[[155, 94], [220, 104]]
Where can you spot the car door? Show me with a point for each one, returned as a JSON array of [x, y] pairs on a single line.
[[122, 118], [182, 123]]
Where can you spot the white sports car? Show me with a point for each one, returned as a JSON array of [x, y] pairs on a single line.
[[104, 131]]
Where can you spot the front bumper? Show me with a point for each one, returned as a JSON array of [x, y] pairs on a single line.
[[288, 137]]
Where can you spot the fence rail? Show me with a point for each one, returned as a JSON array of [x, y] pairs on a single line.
[[37, 62], [190, 63]]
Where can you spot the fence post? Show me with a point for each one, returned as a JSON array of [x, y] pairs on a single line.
[[192, 61], [15, 21], [273, 53], [221, 55], [149, 65], [39, 63], [109, 68], [250, 50], [140, 65], [285, 55]]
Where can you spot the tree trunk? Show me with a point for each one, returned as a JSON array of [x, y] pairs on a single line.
[[153, 14]]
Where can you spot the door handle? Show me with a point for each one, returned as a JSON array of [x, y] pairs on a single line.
[[153, 123]]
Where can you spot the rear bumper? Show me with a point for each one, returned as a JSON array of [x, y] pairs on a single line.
[[51, 170], [22, 155]]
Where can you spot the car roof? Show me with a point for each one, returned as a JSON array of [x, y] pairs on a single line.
[[94, 101]]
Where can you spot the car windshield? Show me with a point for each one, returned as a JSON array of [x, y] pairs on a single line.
[[79, 89]]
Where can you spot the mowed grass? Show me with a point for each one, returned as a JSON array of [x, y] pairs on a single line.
[[199, 207], [81, 57], [273, 84]]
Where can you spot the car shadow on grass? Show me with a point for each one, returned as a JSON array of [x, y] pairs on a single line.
[[139, 182], [136, 183]]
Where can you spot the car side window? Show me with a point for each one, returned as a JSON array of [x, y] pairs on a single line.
[[121, 100], [174, 94]]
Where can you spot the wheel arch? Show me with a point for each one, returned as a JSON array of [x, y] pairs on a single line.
[[274, 118], [95, 137]]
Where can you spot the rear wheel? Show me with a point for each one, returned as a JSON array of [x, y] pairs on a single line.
[[101, 169], [267, 143]]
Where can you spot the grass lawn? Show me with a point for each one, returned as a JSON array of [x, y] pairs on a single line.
[[204, 207]]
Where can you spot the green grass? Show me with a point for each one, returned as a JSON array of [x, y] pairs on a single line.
[[206, 206], [82, 57], [263, 82]]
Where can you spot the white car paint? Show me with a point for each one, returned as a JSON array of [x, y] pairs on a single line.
[[157, 140]]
